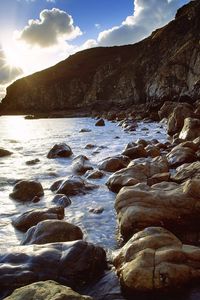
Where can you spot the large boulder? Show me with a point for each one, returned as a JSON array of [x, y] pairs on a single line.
[[168, 204], [181, 155], [190, 130], [187, 171], [46, 290], [26, 190], [176, 119], [75, 185], [138, 170], [113, 164], [71, 263], [154, 260], [60, 150], [166, 109], [4, 152], [51, 231], [81, 165], [33, 217]]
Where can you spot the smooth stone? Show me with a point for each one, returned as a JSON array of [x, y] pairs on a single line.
[[33, 217], [113, 164], [52, 231], [155, 260], [190, 130], [74, 264], [94, 174], [55, 186], [61, 200], [75, 185], [26, 190], [97, 210], [4, 152], [100, 122], [135, 152], [32, 162], [181, 155], [81, 165], [46, 290], [59, 150], [167, 204]]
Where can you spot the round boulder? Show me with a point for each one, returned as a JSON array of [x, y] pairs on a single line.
[[59, 150], [26, 190]]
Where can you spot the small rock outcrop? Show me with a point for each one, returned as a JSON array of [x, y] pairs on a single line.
[[60, 150], [51, 231], [26, 190], [46, 290]]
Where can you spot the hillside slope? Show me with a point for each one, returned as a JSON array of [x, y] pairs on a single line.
[[165, 65]]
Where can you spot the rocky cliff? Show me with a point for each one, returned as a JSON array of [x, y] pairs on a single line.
[[165, 65]]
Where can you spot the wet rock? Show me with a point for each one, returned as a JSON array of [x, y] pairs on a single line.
[[46, 290], [36, 199], [97, 210], [100, 122], [59, 150], [187, 171], [75, 185], [113, 164], [90, 146], [176, 120], [74, 264], [135, 152], [51, 231], [55, 186], [32, 162], [81, 165], [138, 170], [155, 260], [191, 129], [168, 204], [94, 174], [61, 200], [33, 217], [157, 178], [181, 155], [85, 130], [106, 288], [4, 152], [26, 190]]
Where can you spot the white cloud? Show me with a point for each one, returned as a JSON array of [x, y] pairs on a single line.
[[54, 26], [148, 16]]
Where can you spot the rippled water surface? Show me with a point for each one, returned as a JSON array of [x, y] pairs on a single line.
[[30, 139]]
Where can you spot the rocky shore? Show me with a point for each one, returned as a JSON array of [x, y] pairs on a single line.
[[157, 187]]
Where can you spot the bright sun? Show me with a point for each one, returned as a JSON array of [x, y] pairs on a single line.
[[13, 60]]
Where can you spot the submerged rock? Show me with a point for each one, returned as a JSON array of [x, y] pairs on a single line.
[[75, 185], [113, 164], [173, 206], [26, 190], [59, 150], [51, 231], [100, 122], [94, 174], [74, 264], [33, 217], [61, 200], [32, 162], [4, 152], [156, 260], [81, 165], [46, 290]]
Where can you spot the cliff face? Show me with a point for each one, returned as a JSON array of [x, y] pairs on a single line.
[[165, 65]]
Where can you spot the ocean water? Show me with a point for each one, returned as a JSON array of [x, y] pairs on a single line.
[[31, 139]]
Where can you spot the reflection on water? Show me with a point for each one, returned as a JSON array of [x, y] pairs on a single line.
[[31, 139]]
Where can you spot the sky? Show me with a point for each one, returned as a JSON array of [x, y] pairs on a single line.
[[36, 34]]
